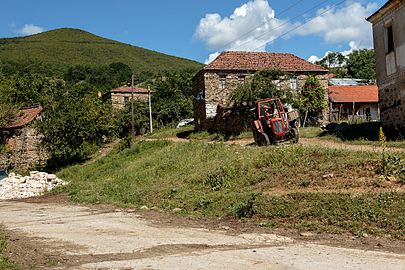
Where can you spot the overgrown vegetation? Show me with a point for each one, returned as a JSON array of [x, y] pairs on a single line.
[[281, 186], [261, 86]]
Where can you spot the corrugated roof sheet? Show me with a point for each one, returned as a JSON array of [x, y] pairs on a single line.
[[262, 60], [354, 93], [26, 116]]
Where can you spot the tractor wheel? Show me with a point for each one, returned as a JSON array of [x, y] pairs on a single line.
[[295, 135], [265, 139], [257, 136]]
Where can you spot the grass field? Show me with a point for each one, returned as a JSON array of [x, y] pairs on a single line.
[[297, 187]]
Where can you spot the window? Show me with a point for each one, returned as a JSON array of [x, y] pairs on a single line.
[[389, 39], [293, 83], [241, 79], [126, 99], [222, 81]]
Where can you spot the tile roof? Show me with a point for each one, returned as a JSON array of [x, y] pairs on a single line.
[[26, 116], [353, 93], [128, 89], [262, 60]]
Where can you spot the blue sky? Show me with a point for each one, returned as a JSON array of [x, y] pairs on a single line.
[[198, 29]]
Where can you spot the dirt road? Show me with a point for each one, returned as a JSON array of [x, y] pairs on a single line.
[[64, 236]]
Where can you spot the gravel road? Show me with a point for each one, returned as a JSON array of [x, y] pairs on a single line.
[[77, 237]]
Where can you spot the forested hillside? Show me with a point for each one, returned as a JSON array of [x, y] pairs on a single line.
[[53, 52]]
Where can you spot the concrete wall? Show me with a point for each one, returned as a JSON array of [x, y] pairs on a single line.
[[391, 69], [207, 84], [23, 150]]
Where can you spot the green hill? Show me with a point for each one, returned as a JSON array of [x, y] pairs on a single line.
[[52, 52]]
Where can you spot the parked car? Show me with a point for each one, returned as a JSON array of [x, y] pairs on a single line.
[[185, 122], [3, 174]]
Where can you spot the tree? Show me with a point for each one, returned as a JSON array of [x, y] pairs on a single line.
[[172, 100], [332, 60], [261, 86], [313, 97], [361, 64], [75, 125]]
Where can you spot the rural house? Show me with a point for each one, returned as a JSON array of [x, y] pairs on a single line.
[[122, 95], [214, 84], [353, 102], [389, 45], [22, 149]]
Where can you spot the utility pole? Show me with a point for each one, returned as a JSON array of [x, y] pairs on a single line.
[[150, 110], [132, 110]]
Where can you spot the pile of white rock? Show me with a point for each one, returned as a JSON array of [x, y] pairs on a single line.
[[36, 184]]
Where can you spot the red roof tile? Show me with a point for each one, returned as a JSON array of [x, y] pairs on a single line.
[[261, 61], [128, 89], [353, 93], [25, 116]]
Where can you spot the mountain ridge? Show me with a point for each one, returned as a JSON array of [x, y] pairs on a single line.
[[62, 48]]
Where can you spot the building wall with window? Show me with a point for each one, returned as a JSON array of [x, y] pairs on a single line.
[[389, 45]]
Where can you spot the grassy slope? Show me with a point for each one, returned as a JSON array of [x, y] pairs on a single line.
[[281, 187], [61, 48]]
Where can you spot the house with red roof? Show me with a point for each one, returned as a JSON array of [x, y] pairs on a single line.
[[214, 84], [353, 102], [122, 95], [22, 144]]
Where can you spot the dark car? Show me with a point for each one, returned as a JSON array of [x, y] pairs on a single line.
[[3, 174]]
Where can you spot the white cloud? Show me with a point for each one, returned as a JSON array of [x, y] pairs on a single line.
[[30, 29], [344, 25], [211, 57], [251, 27]]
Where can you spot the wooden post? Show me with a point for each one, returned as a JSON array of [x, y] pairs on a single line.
[[132, 109]]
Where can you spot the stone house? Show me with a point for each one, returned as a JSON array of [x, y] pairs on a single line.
[[22, 149], [214, 84], [122, 95], [353, 102], [389, 45]]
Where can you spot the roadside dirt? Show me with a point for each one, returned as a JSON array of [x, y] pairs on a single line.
[[51, 233]]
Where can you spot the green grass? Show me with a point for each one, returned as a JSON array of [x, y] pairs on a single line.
[[59, 49], [5, 262], [281, 186], [189, 133], [310, 132]]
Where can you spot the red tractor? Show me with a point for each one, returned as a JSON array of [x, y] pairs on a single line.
[[272, 123]]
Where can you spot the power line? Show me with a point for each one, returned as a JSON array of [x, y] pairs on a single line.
[[301, 25], [261, 24], [287, 22]]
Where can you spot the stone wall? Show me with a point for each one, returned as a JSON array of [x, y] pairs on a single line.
[[22, 150], [213, 94], [118, 100], [390, 67]]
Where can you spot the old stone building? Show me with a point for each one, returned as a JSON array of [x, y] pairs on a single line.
[[122, 95], [22, 147], [389, 45], [214, 84]]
